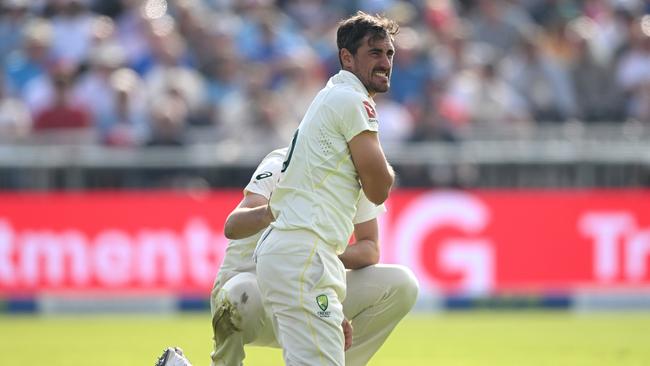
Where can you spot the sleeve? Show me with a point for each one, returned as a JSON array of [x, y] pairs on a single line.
[[357, 114], [367, 210], [266, 175]]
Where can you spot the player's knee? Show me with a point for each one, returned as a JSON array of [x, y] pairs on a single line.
[[238, 306], [242, 292], [405, 286]]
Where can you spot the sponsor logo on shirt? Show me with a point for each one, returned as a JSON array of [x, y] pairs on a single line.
[[263, 175], [372, 115]]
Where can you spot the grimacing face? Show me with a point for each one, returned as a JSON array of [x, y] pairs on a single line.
[[373, 64]]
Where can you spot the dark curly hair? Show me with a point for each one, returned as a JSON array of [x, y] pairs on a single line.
[[352, 30]]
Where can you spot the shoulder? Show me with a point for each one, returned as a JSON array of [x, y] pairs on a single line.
[[348, 103], [343, 95], [277, 154], [273, 160], [266, 174]]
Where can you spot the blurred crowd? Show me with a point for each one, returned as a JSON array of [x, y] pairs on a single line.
[[129, 73]]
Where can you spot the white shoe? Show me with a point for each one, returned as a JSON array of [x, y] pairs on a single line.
[[173, 356]]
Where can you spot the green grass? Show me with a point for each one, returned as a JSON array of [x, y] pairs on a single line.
[[450, 339]]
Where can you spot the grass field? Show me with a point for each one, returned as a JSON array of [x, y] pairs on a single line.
[[474, 338]]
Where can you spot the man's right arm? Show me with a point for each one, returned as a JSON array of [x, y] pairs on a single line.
[[249, 217], [376, 175], [365, 250]]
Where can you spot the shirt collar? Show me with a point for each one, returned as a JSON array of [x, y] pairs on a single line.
[[348, 78]]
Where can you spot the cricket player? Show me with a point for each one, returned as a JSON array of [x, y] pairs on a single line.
[[380, 295], [334, 158]]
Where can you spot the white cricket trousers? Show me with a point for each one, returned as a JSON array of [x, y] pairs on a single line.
[[379, 296], [238, 319], [302, 283]]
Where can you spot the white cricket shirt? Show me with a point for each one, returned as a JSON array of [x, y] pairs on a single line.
[[239, 253], [319, 187]]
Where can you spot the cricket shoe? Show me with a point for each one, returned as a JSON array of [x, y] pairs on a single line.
[[173, 356]]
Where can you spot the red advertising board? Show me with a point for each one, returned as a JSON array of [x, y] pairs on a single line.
[[482, 242], [476, 242]]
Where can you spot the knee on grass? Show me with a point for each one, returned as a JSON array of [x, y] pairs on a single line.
[[238, 306]]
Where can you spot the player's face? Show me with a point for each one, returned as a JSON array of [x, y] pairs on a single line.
[[373, 64]]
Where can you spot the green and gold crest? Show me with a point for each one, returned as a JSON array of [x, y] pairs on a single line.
[[322, 301]]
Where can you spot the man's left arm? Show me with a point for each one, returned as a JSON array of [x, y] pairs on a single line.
[[365, 251]]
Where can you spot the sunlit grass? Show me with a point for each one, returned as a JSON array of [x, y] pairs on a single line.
[[473, 338]]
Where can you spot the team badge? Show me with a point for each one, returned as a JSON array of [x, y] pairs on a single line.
[[323, 303]]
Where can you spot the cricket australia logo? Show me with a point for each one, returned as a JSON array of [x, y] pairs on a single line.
[[323, 303]]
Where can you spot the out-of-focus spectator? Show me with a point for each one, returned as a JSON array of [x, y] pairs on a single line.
[[217, 38], [15, 119], [169, 72], [250, 116], [487, 98], [270, 37], [440, 117], [543, 82], [102, 31], [317, 21], [441, 17], [133, 26], [61, 112], [13, 17], [93, 90], [32, 60], [72, 26], [545, 12], [168, 116], [607, 26], [314, 17], [165, 46], [516, 12], [633, 73], [192, 19], [40, 92], [555, 44], [123, 120], [143, 29], [489, 23], [597, 97], [224, 77], [235, 64], [302, 81], [411, 67], [396, 120], [454, 53]]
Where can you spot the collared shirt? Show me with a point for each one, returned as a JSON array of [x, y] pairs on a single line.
[[239, 253], [319, 188]]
